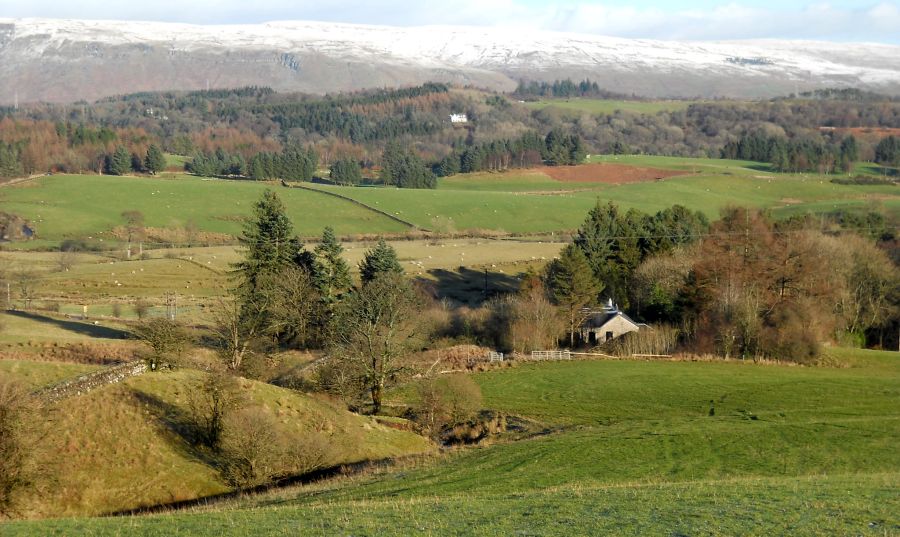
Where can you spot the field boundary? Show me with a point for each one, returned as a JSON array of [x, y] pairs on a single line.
[[357, 202], [91, 381]]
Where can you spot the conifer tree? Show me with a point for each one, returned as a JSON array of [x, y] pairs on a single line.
[[269, 242], [573, 286], [120, 161], [382, 259], [346, 171], [609, 241], [332, 272], [155, 161]]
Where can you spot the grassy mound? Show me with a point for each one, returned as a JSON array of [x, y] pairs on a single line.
[[119, 447]]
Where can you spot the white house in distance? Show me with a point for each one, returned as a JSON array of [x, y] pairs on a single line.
[[606, 324], [458, 118]]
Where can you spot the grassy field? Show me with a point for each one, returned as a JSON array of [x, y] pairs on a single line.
[[80, 206], [608, 106], [38, 374], [632, 448], [199, 274], [514, 202], [519, 201]]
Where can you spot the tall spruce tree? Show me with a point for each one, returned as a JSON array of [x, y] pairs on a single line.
[[269, 242], [332, 272], [573, 286], [154, 161], [119, 163], [382, 259], [609, 241]]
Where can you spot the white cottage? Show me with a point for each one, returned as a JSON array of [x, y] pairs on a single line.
[[606, 324]]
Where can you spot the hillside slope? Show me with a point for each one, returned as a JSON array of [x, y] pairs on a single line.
[[63, 61], [121, 447]]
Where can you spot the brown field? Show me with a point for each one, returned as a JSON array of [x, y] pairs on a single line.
[[614, 174]]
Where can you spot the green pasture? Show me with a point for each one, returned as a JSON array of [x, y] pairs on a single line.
[[444, 210], [618, 447], [176, 160], [511, 181], [689, 164], [517, 201], [476, 206], [608, 106], [38, 374], [65, 206]]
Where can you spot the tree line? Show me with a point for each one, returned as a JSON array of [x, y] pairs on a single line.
[[557, 148], [293, 163], [253, 121], [797, 155], [563, 88]]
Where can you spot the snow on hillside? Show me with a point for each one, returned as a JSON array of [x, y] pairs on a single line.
[[469, 47]]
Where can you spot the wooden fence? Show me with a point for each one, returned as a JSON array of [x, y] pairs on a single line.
[[551, 355]]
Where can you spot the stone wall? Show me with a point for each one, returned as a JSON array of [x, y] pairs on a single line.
[[92, 381]]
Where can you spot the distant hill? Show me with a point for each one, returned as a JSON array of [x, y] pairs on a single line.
[[67, 60]]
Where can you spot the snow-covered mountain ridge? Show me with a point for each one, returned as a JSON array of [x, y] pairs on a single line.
[[89, 59]]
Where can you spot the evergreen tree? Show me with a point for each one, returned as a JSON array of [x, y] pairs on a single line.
[[448, 166], [887, 152], [10, 161], [382, 259], [346, 171], [333, 273], [573, 286], [120, 161], [609, 241], [849, 153], [257, 168], [270, 246], [390, 161], [155, 161], [404, 169]]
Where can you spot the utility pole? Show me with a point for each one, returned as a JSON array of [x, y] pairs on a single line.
[[171, 306], [8, 297]]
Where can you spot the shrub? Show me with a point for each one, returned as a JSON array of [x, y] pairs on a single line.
[[211, 402], [167, 341], [141, 308], [343, 379], [19, 467], [254, 452], [116, 310], [446, 402]]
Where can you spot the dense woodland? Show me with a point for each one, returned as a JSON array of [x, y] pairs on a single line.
[[241, 132]]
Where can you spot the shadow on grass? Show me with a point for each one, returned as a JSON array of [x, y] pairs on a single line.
[[468, 286], [79, 327], [760, 167], [180, 424]]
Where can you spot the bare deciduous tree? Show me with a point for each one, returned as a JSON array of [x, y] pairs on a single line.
[[167, 340], [238, 330], [211, 401], [374, 327]]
